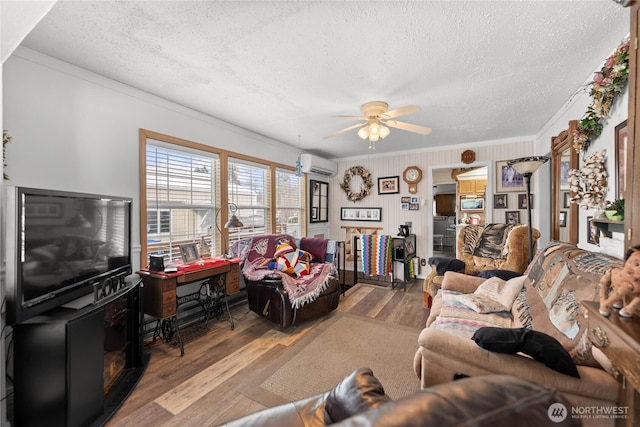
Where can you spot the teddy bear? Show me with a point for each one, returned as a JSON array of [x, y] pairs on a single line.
[[621, 282]]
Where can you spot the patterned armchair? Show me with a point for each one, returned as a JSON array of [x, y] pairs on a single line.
[[481, 248]]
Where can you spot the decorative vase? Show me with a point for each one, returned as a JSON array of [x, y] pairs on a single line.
[[614, 215]]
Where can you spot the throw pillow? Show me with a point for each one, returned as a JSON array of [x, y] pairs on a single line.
[[503, 274], [540, 346], [358, 392], [546, 349], [283, 247], [481, 303], [500, 340], [502, 292]]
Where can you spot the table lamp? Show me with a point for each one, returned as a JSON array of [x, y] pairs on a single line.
[[232, 223]]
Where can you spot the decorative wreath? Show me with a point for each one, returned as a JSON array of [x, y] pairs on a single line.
[[367, 183]]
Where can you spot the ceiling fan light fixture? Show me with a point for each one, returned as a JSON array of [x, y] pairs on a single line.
[[363, 132], [384, 131], [374, 137], [374, 128]]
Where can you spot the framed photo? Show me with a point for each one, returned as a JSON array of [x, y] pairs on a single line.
[[566, 200], [621, 161], [405, 199], [414, 206], [361, 214], [562, 220], [522, 201], [565, 166], [414, 200], [500, 201], [43, 210], [189, 253], [593, 234], [512, 217], [404, 206], [389, 185], [507, 178]]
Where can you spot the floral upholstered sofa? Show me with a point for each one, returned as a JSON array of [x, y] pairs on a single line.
[[545, 299]]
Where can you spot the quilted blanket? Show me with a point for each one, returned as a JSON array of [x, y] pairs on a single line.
[[301, 290]]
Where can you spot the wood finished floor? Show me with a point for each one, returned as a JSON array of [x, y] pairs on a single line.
[[199, 389]]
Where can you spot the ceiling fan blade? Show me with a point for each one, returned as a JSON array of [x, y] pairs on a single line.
[[402, 111], [343, 130], [352, 117], [408, 127]]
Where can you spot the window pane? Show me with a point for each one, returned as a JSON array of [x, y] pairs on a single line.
[[181, 193], [288, 202], [249, 190]]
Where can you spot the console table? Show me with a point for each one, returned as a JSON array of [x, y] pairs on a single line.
[[619, 339], [161, 298]]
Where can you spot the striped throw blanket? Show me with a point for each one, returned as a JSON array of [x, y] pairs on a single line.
[[376, 254]]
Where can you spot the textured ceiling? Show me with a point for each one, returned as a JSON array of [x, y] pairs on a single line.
[[479, 70]]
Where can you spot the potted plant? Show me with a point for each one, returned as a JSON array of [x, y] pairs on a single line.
[[615, 210]]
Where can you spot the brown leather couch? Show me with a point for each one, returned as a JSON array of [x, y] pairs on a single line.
[[359, 400]]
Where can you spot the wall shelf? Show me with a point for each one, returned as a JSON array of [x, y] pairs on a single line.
[[608, 226]]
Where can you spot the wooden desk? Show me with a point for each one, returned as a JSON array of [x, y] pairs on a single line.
[[161, 298], [619, 340]]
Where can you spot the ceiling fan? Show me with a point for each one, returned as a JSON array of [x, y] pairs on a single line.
[[378, 121]]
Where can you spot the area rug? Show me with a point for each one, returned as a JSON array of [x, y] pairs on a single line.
[[334, 349]]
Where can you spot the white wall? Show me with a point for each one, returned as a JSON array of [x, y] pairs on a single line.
[[574, 110], [487, 153], [76, 131]]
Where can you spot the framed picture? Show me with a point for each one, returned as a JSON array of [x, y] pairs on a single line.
[[522, 201], [389, 185], [621, 161], [593, 234], [44, 210], [566, 200], [562, 219], [361, 214], [512, 217], [404, 206], [500, 201], [414, 200], [405, 199], [507, 178], [189, 253], [414, 206]]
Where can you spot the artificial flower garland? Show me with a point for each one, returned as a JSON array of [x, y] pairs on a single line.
[[367, 183], [606, 85]]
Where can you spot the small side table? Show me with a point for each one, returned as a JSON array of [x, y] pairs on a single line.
[[619, 339]]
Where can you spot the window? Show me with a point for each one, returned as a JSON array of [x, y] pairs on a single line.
[[158, 221], [249, 189], [180, 190], [288, 203], [184, 184]]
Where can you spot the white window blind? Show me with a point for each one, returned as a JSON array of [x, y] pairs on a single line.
[[288, 202], [249, 189], [181, 186]]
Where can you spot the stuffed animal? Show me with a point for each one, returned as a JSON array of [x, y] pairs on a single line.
[[619, 283]]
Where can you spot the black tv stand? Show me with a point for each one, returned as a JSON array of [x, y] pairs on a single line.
[[75, 367]]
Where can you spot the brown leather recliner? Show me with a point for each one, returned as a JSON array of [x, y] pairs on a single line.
[[359, 400], [269, 299]]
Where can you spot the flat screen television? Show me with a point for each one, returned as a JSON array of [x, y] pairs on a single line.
[[59, 244]]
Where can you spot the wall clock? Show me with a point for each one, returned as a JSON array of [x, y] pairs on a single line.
[[468, 156], [412, 176]]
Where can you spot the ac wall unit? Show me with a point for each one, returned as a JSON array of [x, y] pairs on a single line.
[[318, 165]]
